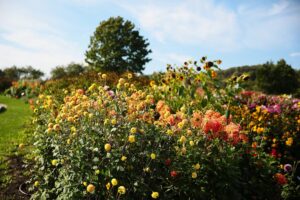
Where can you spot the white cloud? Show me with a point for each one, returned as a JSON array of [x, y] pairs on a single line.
[[212, 25], [26, 39], [188, 22], [295, 54]]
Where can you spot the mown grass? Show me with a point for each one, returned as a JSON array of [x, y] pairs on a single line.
[[12, 133], [12, 124]]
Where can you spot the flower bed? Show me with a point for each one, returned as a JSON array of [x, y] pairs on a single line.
[[173, 139]]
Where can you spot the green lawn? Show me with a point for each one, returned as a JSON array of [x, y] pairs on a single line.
[[12, 123]]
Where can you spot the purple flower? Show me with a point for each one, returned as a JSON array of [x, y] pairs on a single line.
[[252, 106], [295, 100], [287, 167], [277, 108]]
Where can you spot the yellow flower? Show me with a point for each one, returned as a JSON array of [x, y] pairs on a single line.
[[104, 76], [36, 184], [260, 130], [90, 188], [180, 125], [155, 195], [129, 76], [131, 138], [114, 182], [73, 129], [197, 166], [182, 139], [97, 171], [113, 121], [289, 141], [153, 156], [21, 146], [56, 127], [68, 141], [183, 150], [121, 190], [192, 143], [194, 175], [84, 183], [54, 162], [108, 186], [152, 83], [106, 121], [107, 147], [169, 132], [123, 158], [133, 130], [121, 81]]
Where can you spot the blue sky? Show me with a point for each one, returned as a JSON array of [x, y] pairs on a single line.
[[45, 34]]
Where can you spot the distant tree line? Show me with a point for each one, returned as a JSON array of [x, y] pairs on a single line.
[[72, 69], [271, 78], [14, 73]]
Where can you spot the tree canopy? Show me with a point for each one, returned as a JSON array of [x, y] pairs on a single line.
[[72, 69], [117, 46], [277, 79]]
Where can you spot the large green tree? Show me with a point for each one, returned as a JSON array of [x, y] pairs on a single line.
[[117, 46]]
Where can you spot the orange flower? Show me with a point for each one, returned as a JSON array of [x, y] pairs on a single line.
[[196, 119], [212, 125], [280, 178]]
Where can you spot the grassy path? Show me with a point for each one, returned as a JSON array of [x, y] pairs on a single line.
[[12, 123]]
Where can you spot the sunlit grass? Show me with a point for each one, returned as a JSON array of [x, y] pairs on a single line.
[[12, 124]]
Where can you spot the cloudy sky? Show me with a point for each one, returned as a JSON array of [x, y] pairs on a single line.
[[45, 33]]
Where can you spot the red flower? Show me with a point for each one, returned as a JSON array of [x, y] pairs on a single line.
[[168, 162], [274, 153], [280, 178], [174, 173]]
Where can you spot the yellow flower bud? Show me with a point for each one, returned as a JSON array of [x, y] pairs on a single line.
[[36, 184]]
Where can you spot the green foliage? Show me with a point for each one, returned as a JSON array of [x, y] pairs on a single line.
[[116, 46], [72, 69], [277, 79], [58, 72], [15, 73], [270, 78]]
